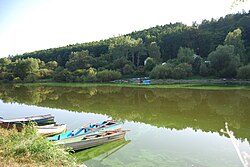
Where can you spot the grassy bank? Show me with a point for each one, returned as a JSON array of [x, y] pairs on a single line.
[[185, 85], [26, 148]]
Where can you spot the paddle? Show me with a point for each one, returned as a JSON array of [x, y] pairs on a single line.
[[91, 129], [83, 126]]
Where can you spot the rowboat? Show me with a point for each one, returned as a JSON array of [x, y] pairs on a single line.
[[92, 140], [18, 122], [87, 130], [51, 129]]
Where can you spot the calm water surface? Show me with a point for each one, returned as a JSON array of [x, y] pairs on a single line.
[[168, 127]]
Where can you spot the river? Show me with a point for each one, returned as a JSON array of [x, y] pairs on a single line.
[[168, 127]]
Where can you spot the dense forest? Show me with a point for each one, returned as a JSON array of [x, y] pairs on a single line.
[[218, 48]]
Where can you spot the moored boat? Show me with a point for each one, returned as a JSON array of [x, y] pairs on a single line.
[[88, 130], [18, 122], [93, 140], [51, 129]]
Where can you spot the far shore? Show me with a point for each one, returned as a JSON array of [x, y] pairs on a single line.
[[206, 84]]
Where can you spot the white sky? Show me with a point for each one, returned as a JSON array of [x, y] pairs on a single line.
[[29, 25]]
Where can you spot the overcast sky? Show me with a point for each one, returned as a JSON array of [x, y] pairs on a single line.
[[29, 25]]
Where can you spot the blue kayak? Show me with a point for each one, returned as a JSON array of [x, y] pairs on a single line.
[[88, 130]]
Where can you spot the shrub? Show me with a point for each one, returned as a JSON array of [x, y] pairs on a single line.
[[244, 72], [161, 71], [108, 75]]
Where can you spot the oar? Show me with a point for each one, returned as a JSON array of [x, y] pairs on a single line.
[[83, 126]]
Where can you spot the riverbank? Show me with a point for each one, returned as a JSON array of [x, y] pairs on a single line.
[[26, 148], [206, 84]]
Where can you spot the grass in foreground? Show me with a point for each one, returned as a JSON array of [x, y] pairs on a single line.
[[26, 148]]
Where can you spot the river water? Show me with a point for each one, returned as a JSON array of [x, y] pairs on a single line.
[[168, 127]]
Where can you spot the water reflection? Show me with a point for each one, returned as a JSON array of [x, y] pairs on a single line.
[[105, 150], [169, 127], [170, 108]]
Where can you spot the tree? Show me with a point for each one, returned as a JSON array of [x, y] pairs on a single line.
[[182, 70], [224, 62], [108, 75], [62, 75], [185, 55], [80, 60], [150, 64], [4, 62], [51, 65], [204, 71], [244, 72], [120, 47], [162, 71], [24, 67], [128, 69], [154, 52], [234, 38], [128, 48]]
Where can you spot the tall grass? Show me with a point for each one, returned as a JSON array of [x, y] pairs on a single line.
[[27, 148]]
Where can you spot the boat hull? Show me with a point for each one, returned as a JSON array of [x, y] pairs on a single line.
[[87, 130], [18, 122], [51, 129], [81, 143]]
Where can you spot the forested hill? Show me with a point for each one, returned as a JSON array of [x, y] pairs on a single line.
[[217, 48], [202, 38]]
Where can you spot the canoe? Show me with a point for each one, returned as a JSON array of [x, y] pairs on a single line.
[[88, 130], [40, 120], [92, 140], [51, 129]]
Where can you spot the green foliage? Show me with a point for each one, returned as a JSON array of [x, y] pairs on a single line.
[[128, 69], [154, 52], [182, 70], [91, 77], [119, 63], [185, 55], [4, 62], [108, 75], [196, 65], [244, 72], [17, 80], [24, 67], [51, 65], [80, 60], [62, 75], [150, 64], [174, 43], [161, 72], [128, 48], [224, 62], [167, 70], [234, 38], [31, 77], [45, 73], [204, 70], [27, 148]]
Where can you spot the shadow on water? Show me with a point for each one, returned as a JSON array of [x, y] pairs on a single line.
[[205, 110], [105, 150]]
